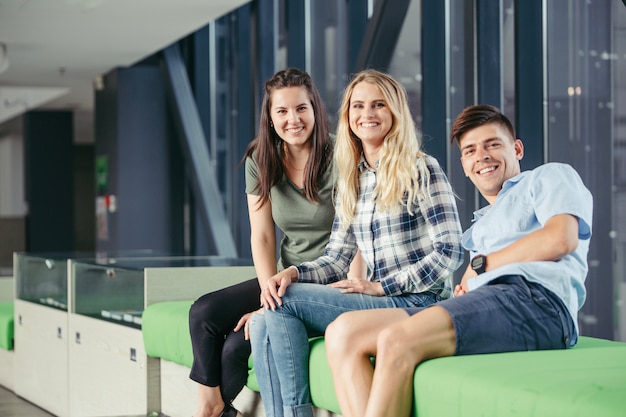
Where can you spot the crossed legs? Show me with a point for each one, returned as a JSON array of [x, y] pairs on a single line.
[[399, 342], [509, 314]]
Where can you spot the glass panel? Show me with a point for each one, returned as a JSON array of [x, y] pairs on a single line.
[[112, 289], [328, 55], [618, 58], [221, 138], [508, 58], [406, 63], [579, 132], [461, 92], [282, 33], [42, 279], [110, 292], [460, 57]]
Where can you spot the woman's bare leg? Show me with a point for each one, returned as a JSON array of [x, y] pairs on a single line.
[[350, 342], [210, 402]]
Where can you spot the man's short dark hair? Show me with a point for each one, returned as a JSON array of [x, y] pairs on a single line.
[[478, 115]]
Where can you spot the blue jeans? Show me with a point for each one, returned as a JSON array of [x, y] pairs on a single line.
[[280, 346]]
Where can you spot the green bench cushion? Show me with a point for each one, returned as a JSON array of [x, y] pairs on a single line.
[[587, 380], [165, 330], [320, 378], [6, 325]]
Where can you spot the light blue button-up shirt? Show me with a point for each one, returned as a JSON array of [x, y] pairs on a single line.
[[524, 205]]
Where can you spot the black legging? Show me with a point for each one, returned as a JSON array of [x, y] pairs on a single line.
[[220, 356]]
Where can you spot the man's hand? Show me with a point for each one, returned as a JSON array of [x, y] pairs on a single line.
[[359, 286], [462, 288]]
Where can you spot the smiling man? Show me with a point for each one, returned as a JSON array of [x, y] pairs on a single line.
[[521, 291]]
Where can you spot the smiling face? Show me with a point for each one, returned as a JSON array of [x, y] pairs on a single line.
[[292, 115], [369, 116], [490, 156]]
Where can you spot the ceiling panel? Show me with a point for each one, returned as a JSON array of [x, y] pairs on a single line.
[[65, 44]]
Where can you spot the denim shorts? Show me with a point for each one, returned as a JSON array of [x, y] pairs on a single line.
[[509, 314]]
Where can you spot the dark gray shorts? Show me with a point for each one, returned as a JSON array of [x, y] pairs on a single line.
[[506, 315]]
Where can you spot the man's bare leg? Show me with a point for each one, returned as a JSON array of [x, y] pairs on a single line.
[[350, 342], [401, 346]]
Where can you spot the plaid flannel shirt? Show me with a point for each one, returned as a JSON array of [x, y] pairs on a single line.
[[407, 253]]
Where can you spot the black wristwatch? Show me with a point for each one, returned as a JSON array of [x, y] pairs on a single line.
[[479, 263]]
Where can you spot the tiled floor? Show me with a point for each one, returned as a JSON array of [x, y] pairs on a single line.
[[13, 406]]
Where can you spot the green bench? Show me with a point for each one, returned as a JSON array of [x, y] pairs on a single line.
[[6, 325], [6, 344], [587, 380]]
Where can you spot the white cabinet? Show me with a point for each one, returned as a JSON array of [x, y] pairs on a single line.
[[40, 332], [79, 349], [109, 369], [41, 356]]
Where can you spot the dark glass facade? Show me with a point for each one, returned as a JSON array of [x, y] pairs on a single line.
[[556, 67]]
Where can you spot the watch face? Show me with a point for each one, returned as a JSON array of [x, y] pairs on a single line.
[[477, 262]]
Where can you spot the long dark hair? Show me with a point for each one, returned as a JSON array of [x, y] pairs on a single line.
[[267, 145]]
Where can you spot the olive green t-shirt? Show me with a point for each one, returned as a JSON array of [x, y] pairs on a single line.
[[305, 225]]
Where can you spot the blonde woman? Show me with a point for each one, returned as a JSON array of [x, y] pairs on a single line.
[[394, 204]]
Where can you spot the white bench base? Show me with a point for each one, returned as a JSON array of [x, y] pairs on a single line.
[[6, 364], [179, 395]]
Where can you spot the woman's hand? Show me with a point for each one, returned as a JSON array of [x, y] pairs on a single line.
[[359, 286], [276, 286], [244, 322]]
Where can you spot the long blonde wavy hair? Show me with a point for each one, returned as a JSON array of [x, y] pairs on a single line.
[[402, 174]]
